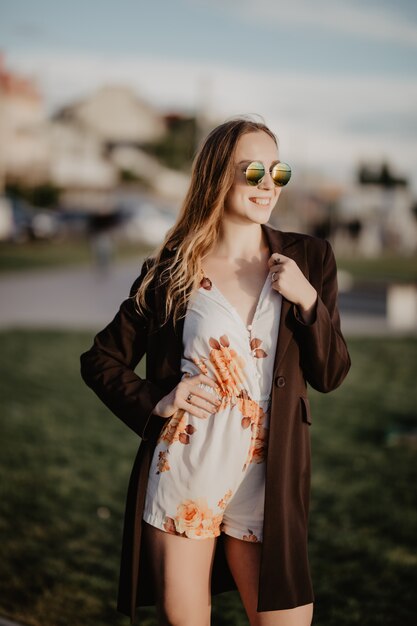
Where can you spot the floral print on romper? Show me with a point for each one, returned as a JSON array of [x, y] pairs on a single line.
[[225, 357]]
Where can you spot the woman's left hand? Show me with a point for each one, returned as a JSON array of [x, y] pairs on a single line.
[[291, 283]]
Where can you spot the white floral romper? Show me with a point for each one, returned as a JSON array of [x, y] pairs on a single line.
[[207, 475]]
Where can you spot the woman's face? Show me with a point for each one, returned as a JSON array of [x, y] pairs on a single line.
[[246, 203]]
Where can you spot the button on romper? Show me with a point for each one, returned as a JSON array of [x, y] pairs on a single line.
[[207, 475]]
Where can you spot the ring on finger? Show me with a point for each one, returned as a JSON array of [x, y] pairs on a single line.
[[190, 395]]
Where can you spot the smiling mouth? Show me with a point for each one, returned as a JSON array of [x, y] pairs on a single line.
[[261, 201]]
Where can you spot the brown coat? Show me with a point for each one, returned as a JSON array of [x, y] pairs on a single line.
[[315, 353]]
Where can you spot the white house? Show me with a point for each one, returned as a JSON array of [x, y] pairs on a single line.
[[116, 115]]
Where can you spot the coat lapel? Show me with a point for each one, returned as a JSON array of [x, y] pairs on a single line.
[[292, 246]]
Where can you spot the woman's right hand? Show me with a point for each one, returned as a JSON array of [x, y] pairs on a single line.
[[201, 404]]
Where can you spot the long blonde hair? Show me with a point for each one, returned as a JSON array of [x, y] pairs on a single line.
[[198, 223]]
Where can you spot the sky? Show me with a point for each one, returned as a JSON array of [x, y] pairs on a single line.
[[335, 79]]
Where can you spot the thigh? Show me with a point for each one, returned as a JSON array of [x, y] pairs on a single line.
[[182, 573], [244, 559]]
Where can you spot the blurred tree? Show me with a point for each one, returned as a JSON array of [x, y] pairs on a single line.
[[176, 149], [127, 176], [45, 195], [354, 228], [382, 176]]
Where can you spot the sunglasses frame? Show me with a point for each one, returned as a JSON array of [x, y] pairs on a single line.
[[255, 183]]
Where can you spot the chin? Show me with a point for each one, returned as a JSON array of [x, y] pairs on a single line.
[[261, 217]]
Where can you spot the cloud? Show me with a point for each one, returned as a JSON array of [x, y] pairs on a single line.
[[369, 20], [332, 120]]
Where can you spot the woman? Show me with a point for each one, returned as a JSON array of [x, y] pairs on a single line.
[[235, 317]]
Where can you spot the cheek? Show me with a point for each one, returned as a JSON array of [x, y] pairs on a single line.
[[277, 193], [233, 198]]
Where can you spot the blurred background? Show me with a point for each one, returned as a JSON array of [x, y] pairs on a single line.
[[102, 108]]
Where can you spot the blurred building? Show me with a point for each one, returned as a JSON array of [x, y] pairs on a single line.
[[77, 157], [85, 148], [113, 138], [376, 214], [117, 116], [104, 137], [368, 217], [24, 149], [96, 137]]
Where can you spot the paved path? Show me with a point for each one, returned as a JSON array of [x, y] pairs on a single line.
[[81, 298], [75, 298]]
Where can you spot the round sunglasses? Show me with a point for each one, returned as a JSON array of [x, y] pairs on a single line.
[[255, 172]]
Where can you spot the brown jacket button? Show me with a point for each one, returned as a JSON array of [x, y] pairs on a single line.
[[280, 381]]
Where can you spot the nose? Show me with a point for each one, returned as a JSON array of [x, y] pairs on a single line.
[[266, 182]]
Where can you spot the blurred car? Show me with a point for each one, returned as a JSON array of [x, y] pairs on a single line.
[[73, 223], [45, 224], [29, 223]]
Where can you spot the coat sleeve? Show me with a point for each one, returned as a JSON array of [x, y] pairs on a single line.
[[108, 366], [325, 359]]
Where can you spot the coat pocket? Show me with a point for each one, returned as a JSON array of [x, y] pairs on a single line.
[[305, 409]]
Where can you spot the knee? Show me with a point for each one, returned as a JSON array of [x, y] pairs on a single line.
[[183, 615]]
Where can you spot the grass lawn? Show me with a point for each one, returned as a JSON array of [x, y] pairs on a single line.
[[65, 462], [386, 268]]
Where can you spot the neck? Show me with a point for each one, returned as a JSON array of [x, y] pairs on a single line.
[[241, 241]]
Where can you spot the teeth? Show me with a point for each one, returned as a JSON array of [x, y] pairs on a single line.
[[261, 201]]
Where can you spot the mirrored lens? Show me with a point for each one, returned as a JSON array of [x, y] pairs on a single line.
[[254, 173], [281, 174]]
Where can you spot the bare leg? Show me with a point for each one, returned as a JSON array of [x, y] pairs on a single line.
[[243, 558], [182, 574]]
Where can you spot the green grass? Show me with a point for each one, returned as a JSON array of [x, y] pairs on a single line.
[[364, 504], [66, 253], [63, 455], [386, 268]]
